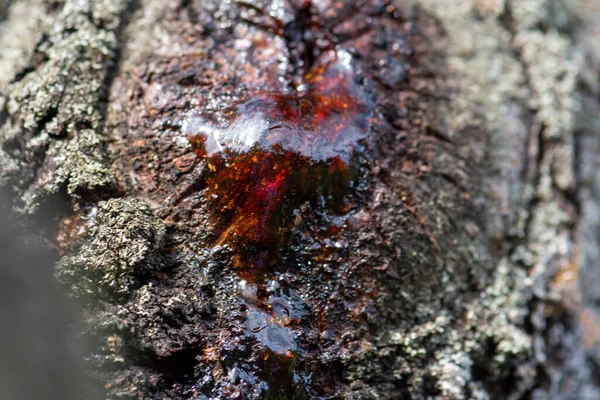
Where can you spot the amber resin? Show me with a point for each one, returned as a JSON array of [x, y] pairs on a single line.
[[278, 151]]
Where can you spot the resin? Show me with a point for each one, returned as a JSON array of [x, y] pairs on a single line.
[[279, 150]]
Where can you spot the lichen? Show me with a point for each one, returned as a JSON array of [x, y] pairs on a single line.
[[54, 116], [125, 240], [525, 99]]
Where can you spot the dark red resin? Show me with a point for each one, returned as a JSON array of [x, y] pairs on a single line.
[[278, 151]]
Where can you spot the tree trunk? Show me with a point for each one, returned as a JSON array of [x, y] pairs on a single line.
[[286, 200]]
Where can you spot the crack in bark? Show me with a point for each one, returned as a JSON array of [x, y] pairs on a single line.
[[114, 69], [4, 7]]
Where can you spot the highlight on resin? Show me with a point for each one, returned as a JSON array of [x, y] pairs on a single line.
[[277, 151]]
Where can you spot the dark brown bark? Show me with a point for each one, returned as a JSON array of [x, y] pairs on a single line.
[[447, 268]]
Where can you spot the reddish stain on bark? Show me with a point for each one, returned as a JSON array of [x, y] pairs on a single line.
[[278, 151]]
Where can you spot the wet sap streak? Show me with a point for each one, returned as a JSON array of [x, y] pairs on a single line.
[[272, 156], [278, 151], [269, 160]]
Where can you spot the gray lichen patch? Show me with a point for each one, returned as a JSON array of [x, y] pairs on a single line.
[[20, 30], [588, 174], [518, 77], [76, 163], [125, 240], [54, 116]]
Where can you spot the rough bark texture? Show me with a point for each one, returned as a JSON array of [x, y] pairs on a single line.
[[465, 262]]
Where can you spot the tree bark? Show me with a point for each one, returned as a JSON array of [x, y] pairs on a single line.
[[462, 258]]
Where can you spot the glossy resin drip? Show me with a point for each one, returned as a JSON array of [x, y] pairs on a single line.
[[278, 151]]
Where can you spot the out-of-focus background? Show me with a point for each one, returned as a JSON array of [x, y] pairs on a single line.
[[40, 356]]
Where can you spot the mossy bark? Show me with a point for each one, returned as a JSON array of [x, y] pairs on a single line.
[[466, 265]]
